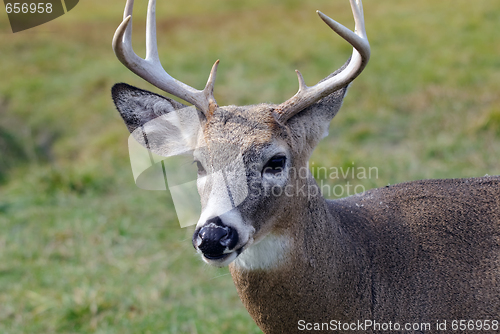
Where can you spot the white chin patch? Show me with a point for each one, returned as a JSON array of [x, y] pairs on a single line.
[[269, 253], [221, 262]]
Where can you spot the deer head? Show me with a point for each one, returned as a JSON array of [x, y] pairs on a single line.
[[249, 158]]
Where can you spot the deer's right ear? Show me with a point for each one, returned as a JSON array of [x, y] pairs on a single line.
[[137, 106]]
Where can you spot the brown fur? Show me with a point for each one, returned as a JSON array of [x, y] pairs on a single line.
[[415, 252]]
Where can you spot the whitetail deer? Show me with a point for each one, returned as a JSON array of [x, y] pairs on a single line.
[[417, 252]]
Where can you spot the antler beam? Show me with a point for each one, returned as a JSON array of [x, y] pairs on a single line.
[[150, 68], [306, 96]]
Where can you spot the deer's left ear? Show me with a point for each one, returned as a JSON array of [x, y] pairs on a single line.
[[315, 119]]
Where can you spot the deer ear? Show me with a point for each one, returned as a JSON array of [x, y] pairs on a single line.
[[161, 125], [137, 106], [316, 118], [314, 121]]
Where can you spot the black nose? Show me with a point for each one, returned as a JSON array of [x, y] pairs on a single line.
[[214, 238]]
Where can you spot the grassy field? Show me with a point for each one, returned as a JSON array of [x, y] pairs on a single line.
[[83, 250]]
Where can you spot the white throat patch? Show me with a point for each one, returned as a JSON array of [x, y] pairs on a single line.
[[270, 253]]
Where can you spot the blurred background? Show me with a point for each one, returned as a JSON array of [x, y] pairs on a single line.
[[83, 250]]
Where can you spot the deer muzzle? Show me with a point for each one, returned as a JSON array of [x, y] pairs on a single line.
[[215, 240]]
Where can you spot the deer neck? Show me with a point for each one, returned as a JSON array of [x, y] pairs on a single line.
[[302, 230], [272, 273]]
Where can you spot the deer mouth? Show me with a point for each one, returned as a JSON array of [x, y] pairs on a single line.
[[221, 260], [215, 257], [223, 256]]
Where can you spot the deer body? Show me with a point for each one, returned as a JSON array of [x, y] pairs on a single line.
[[415, 252]]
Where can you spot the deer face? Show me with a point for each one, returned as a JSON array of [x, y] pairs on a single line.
[[249, 171], [244, 163], [244, 154], [245, 158]]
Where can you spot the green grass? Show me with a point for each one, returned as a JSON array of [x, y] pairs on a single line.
[[82, 250]]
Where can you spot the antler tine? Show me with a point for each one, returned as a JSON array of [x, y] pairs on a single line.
[[360, 56], [150, 68]]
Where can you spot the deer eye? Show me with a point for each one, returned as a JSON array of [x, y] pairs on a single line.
[[275, 165], [201, 170]]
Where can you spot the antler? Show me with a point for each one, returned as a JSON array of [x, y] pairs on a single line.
[[360, 56], [150, 68]]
